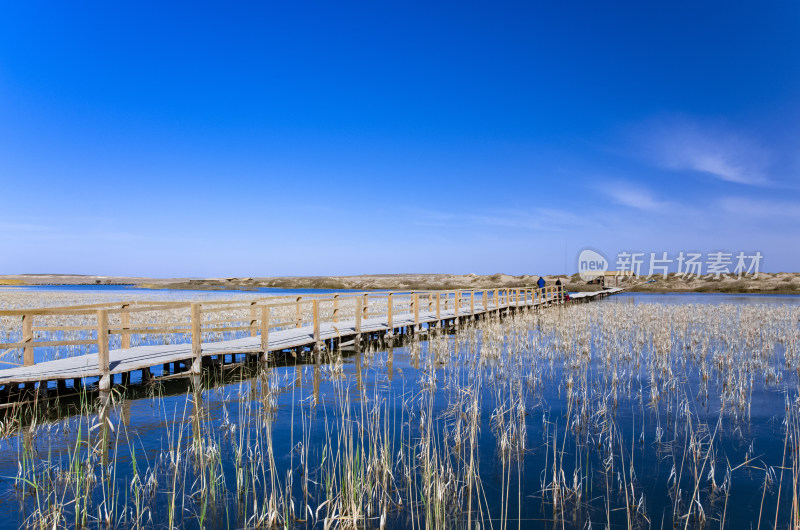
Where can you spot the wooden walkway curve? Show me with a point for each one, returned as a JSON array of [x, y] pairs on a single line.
[[265, 321]]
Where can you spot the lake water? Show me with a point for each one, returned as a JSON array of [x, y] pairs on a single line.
[[128, 290], [642, 410]]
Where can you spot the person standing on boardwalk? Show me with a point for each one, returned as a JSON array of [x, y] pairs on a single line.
[[540, 283]]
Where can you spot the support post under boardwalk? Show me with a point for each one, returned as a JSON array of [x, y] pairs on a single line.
[[102, 350], [197, 337]]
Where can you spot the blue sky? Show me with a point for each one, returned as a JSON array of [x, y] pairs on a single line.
[[296, 138]]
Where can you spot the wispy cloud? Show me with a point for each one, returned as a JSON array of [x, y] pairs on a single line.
[[17, 226], [681, 144], [749, 208], [635, 196], [535, 219]]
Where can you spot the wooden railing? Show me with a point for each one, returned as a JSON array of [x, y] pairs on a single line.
[[256, 316]]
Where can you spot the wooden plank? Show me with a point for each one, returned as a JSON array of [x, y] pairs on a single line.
[[64, 328], [155, 331], [88, 309], [45, 344]]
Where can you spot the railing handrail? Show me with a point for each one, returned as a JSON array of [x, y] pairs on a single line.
[[260, 320]]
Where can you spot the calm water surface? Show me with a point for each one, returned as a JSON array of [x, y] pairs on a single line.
[[623, 462]]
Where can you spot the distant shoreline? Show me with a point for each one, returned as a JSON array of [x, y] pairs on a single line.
[[766, 283]]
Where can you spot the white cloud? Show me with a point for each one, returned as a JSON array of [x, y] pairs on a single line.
[[680, 145], [635, 197]]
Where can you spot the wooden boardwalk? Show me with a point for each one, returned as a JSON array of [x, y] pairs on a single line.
[[273, 326]]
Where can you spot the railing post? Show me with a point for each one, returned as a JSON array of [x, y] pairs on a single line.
[[125, 320], [438, 308], [315, 314], [264, 332], [298, 313], [27, 338], [430, 302], [253, 319], [416, 310], [359, 309], [335, 308], [516, 298], [197, 338], [366, 306], [390, 321], [485, 298], [472, 303], [102, 350], [456, 303]]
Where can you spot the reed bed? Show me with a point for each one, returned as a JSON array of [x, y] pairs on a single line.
[[596, 415]]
